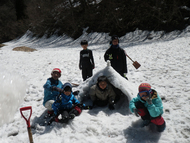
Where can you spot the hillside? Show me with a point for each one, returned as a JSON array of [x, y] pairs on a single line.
[[70, 17]]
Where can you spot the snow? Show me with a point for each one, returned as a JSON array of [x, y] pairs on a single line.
[[164, 64]]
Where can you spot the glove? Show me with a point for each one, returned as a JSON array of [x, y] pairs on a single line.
[[149, 99], [125, 75], [80, 105], [111, 107], [80, 67], [93, 66], [87, 107], [136, 111], [94, 103], [57, 89]]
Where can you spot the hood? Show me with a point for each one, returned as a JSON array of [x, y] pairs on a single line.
[[67, 84]]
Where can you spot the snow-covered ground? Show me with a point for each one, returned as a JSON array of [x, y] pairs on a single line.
[[165, 64]]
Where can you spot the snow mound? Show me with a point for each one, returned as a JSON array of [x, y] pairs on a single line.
[[114, 78], [13, 89]]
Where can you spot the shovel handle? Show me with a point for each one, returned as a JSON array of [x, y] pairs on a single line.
[[128, 56], [23, 109], [30, 135]]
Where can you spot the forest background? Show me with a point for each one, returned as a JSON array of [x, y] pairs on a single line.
[[71, 17]]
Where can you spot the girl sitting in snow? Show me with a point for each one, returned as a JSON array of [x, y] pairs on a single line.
[[66, 105], [148, 105]]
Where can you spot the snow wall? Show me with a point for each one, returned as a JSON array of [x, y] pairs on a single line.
[[12, 90]]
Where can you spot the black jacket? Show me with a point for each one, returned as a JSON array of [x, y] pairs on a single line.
[[117, 58], [86, 59]]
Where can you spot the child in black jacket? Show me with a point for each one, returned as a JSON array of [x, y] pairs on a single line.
[[86, 63], [116, 56]]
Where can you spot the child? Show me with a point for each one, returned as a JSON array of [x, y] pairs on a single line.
[[51, 89], [116, 55], [148, 105], [102, 93], [66, 105], [86, 63]]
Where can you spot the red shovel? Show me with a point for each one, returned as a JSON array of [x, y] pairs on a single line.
[[27, 121]]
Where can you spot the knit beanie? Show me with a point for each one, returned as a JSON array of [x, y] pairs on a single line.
[[144, 87]]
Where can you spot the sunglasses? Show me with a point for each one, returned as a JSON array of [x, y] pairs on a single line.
[[147, 93]]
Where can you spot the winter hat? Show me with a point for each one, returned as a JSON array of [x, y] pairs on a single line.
[[144, 87], [57, 70], [67, 88], [84, 42], [115, 37]]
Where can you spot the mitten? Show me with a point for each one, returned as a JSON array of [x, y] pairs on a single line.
[[125, 76], [94, 103], [80, 67], [57, 89], [136, 111], [111, 107], [87, 107], [149, 99]]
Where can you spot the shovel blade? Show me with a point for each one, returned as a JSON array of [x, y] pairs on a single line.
[[136, 64]]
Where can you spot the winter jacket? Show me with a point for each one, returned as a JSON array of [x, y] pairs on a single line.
[[49, 94], [106, 94], [155, 109], [86, 59], [117, 58], [66, 102]]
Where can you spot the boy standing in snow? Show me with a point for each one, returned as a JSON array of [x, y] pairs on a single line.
[[102, 93], [148, 105], [86, 62], [52, 87], [66, 105], [116, 56]]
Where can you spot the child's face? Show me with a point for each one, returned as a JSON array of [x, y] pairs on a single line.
[[102, 84], [115, 42], [143, 95], [67, 93], [55, 75], [84, 46]]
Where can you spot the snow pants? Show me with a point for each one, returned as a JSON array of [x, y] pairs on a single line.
[[145, 115], [86, 73], [70, 114]]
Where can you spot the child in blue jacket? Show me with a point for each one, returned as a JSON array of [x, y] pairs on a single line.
[[66, 105], [148, 105], [52, 87]]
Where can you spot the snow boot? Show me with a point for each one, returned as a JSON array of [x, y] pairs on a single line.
[[145, 123], [49, 114]]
